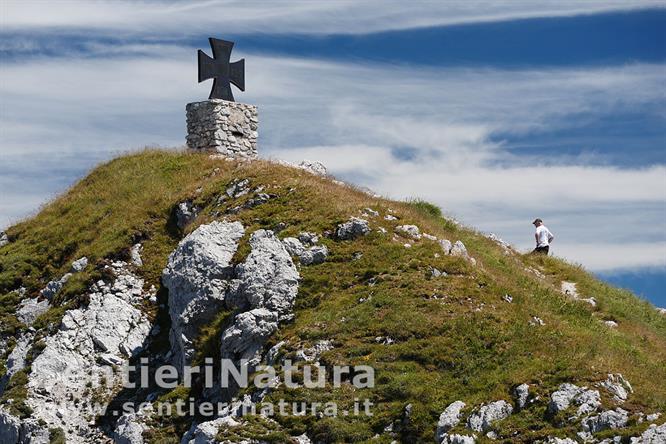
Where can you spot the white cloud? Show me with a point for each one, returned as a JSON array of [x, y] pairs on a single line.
[[403, 132], [311, 17], [603, 257]]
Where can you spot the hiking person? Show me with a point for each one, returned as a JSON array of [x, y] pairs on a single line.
[[543, 237]]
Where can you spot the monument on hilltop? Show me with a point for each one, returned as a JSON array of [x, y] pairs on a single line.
[[221, 125]]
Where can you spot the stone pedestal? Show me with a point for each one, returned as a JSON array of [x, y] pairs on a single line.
[[227, 128]]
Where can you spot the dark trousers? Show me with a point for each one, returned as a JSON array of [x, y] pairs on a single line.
[[541, 250]]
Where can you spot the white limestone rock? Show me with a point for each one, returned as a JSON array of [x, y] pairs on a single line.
[[308, 238], [446, 246], [14, 430], [135, 255], [314, 255], [610, 419], [245, 338], [567, 394], [30, 309], [505, 246], [130, 427], [618, 387], [458, 249], [536, 322], [205, 432], [352, 229], [293, 246], [313, 167], [72, 360], [569, 288], [653, 417], [79, 264], [186, 212], [311, 354], [301, 439], [266, 285], [411, 231], [449, 418], [196, 276], [16, 359], [54, 286], [267, 278], [482, 419], [653, 435], [458, 439], [238, 188], [521, 394]]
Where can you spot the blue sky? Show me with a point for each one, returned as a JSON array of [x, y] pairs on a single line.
[[498, 112]]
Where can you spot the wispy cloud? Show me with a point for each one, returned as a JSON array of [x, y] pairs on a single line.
[[401, 131], [308, 17]]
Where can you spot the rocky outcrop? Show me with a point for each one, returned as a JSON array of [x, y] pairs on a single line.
[[458, 249], [610, 419], [16, 359], [205, 432], [54, 286], [446, 245], [312, 255], [521, 394], [411, 231], [458, 439], [311, 354], [238, 188], [4, 239], [130, 426], [79, 264], [567, 394], [30, 309], [505, 246], [449, 418], [482, 419], [135, 255], [74, 361], [617, 386], [267, 278], [129, 430], [202, 283], [653, 435], [313, 167], [185, 212], [21, 431], [197, 277], [352, 229]]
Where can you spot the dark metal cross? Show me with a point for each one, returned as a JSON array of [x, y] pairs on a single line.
[[220, 70]]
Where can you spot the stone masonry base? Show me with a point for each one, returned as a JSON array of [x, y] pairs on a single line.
[[218, 126]]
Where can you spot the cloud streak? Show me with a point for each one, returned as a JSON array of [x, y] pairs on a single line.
[[242, 17]]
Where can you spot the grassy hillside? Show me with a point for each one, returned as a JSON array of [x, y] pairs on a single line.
[[455, 338]]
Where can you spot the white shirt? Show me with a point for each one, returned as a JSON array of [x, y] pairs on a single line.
[[544, 236]]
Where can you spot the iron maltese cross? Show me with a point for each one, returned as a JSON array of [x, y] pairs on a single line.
[[220, 70]]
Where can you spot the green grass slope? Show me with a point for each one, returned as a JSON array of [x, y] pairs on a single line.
[[455, 337]]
